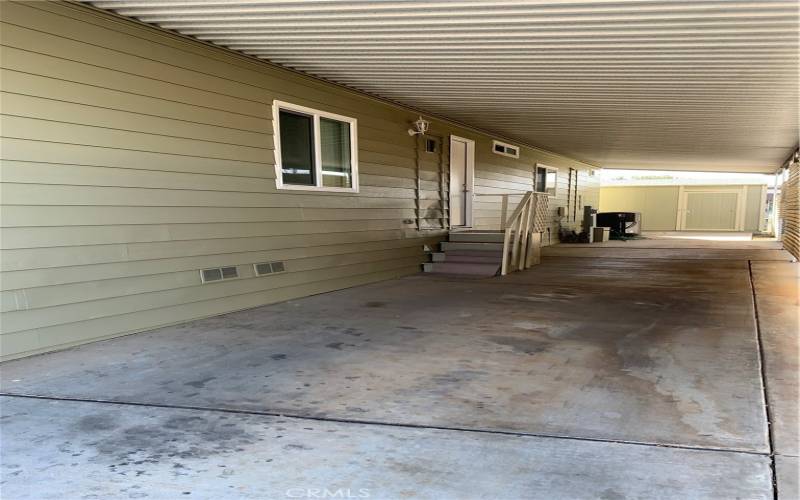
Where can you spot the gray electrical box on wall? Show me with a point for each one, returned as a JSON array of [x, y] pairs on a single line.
[[562, 211]]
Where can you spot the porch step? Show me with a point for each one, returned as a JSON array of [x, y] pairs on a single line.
[[449, 246], [477, 236], [474, 253], [469, 253], [471, 256], [462, 268]]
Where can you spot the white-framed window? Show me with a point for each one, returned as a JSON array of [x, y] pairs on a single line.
[[314, 150], [545, 179], [505, 149]]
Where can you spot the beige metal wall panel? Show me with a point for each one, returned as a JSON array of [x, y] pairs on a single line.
[[132, 158], [753, 206], [658, 204]]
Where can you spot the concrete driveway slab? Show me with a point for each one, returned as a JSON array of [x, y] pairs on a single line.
[[778, 297], [638, 351], [59, 449], [787, 470], [635, 252]]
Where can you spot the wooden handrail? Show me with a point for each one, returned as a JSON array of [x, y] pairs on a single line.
[[520, 207], [504, 203], [519, 252], [520, 240]]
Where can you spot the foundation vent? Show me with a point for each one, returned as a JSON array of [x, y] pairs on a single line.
[[209, 275], [229, 272], [265, 268], [219, 274]]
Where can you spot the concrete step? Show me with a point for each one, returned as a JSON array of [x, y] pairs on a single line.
[[474, 256], [449, 246], [461, 268], [476, 236]]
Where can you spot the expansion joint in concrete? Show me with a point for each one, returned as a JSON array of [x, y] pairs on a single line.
[[366, 422], [762, 368]]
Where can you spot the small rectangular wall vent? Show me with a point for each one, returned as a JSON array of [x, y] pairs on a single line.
[[229, 272], [262, 269], [265, 268], [505, 149], [211, 275], [219, 274]]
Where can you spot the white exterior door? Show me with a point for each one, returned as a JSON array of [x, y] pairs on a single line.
[[462, 180], [712, 210]]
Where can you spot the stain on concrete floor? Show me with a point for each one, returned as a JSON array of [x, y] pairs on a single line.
[[102, 451]]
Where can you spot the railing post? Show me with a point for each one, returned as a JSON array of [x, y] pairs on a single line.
[[525, 219], [534, 249], [506, 241], [518, 248], [533, 242], [534, 211], [503, 211], [517, 227]]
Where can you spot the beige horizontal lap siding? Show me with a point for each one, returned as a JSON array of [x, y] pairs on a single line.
[[90, 329], [498, 174], [588, 188], [133, 158]]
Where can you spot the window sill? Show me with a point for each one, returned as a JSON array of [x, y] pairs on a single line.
[[300, 187]]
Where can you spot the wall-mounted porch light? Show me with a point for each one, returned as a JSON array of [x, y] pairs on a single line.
[[419, 127]]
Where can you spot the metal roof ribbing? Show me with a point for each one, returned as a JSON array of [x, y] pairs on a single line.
[[701, 84]]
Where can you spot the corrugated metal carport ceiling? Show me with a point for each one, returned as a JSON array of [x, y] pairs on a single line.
[[706, 85]]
